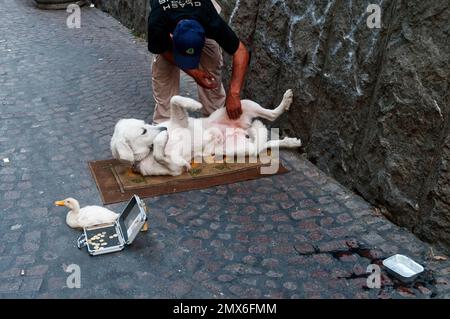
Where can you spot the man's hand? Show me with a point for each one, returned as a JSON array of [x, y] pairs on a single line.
[[233, 106], [240, 64], [203, 78]]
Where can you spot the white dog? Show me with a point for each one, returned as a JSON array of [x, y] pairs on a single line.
[[169, 147]]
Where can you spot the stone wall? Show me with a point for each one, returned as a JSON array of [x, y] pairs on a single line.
[[371, 105], [132, 13]]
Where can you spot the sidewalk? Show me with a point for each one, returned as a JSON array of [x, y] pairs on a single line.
[[298, 235]]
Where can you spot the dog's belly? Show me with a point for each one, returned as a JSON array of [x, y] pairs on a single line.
[[216, 138], [228, 140], [236, 141], [224, 125]]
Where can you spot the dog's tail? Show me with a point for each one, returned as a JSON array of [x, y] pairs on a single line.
[[179, 106]]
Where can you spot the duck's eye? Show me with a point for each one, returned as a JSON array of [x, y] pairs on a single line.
[[144, 132]]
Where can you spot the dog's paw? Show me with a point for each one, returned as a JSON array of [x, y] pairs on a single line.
[[287, 99], [187, 166], [186, 102], [194, 105], [292, 142], [162, 138], [180, 165]]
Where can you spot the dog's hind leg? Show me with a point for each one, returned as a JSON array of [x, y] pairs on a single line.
[[254, 110], [178, 110], [287, 142], [159, 146], [171, 164], [258, 134]]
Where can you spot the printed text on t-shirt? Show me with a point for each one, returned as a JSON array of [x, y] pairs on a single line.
[[175, 4]]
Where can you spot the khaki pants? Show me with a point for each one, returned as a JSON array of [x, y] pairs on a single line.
[[166, 82]]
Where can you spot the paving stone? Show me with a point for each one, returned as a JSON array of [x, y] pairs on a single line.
[[304, 248], [290, 285], [373, 238], [249, 260], [308, 224], [247, 293], [5, 261], [270, 263], [280, 218], [201, 276], [10, 285], [217, 243], [226, 278], [26, 259], [343, 218], [274, 274], [271, 284], [31, 284], [39, 270], [228, 254], [180, 288], [242, 269], [249, 281], [10, 273], [204, 234]]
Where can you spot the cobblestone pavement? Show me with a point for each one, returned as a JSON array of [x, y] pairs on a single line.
[[299, 235]]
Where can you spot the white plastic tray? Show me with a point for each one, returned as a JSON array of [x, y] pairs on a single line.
[[403, 268]]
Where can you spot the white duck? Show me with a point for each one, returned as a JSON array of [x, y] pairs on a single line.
[[86, 216]]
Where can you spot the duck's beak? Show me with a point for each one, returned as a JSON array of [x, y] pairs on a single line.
[[59, 203]]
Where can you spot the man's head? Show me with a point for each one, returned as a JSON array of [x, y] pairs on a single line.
[[188, 43]]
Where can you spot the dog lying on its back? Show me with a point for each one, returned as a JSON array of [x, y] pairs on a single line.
[[169, 147]]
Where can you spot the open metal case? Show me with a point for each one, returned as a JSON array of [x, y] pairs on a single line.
[[108, 238]]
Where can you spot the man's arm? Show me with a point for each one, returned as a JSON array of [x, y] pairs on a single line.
[[240, 65], [203, 78]]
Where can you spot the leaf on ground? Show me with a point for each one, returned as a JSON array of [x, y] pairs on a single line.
[[195, 171], [440, 258]]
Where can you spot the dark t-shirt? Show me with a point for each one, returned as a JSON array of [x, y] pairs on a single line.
[[165, 14]]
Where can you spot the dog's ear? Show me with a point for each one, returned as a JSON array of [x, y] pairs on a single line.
[[121, 150]]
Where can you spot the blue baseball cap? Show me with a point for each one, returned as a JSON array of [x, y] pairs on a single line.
[[188, 43]]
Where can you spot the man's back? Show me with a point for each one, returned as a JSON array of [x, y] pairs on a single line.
[[165, 15]]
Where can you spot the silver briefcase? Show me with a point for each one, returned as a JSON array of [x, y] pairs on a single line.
[[109, 238]]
